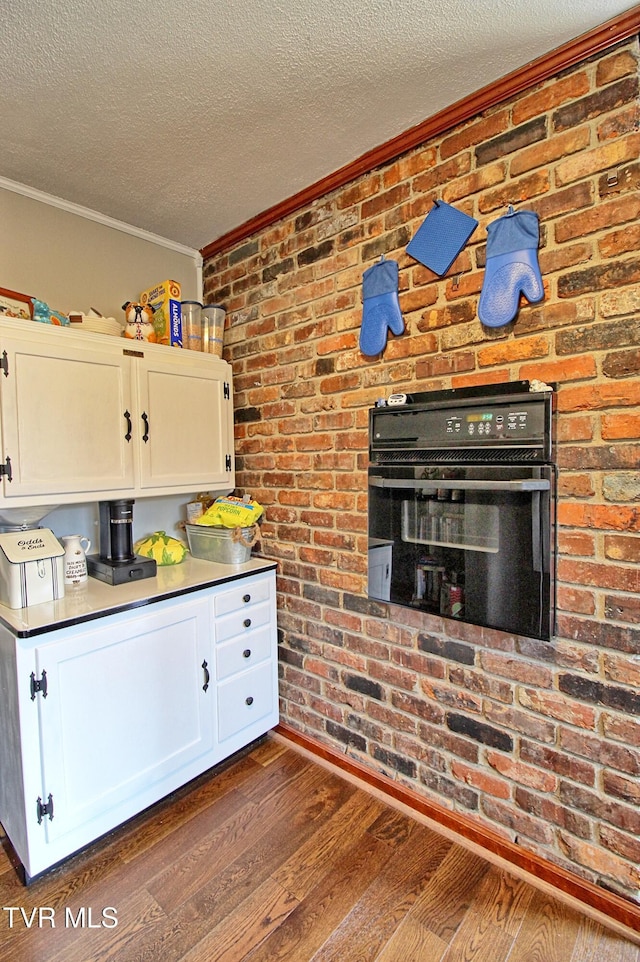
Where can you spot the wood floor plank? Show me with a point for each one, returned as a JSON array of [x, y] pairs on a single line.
[[387, 900], [327, 904], [503, 900], [446, 897], [313, 859], [476, 940], [412, 941], [232, 939], [268, 751], [548, 932], [594, 943], [193, 868], [393, 826]]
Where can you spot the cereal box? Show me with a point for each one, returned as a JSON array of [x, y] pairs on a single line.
[[167, 317]]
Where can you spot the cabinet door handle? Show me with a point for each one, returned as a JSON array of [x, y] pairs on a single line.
[[145, 418], [247, 622], [249, 700], [127, 416], [207, 676], [246, 653], [246, 598]]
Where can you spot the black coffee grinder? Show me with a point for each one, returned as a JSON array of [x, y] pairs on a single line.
[[116, 564]]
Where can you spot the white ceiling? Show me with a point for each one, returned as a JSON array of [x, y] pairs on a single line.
[[187, 117]]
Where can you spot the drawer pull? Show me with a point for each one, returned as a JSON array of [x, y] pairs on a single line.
[[246, 599], [247, 622], [246, 653], [207, 676], [249, 700]]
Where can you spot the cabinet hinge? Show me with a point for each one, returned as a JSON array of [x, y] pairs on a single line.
[[227, 462], [38, 685], [4, 363], [226, 391], [44, 808], [5, 470]]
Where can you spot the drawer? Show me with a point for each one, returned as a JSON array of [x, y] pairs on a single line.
[[242, 595], [242, 654], [242, 623], [245, 699]]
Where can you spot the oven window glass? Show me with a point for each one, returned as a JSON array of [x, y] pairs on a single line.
[[471, 543]]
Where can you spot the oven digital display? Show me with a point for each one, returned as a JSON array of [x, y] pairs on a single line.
[[485, 416]]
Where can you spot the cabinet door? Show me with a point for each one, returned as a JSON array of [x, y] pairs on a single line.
[[129, 715], [185, 427], [64, 417]]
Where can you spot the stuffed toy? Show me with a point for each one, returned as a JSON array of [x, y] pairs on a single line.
[[139, 322]]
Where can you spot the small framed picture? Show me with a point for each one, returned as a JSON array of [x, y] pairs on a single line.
[[13, 304]]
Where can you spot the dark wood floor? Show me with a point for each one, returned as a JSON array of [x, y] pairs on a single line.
[[275, 858]]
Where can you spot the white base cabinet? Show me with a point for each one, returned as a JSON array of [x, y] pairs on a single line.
[[101, 720]]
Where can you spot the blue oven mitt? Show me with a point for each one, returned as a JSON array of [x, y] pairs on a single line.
[[512, 267], [380, 306]]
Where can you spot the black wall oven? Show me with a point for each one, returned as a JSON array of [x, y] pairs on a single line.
[[462, 494]]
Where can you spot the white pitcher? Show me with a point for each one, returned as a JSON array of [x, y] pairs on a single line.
[[75, 561]]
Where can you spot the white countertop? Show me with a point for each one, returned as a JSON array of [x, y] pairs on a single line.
[[95, 599]]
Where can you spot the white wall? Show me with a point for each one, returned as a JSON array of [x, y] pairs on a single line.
[[75, 262]]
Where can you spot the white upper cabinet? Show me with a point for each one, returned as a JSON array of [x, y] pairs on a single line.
[[87, 416], [184, 433]]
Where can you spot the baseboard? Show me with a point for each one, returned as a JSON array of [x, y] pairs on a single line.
[[604, 906]]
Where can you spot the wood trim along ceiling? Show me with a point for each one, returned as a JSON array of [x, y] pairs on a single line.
[[600, 38], [599, 902]]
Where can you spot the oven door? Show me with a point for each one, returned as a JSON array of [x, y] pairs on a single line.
[[472, 542]]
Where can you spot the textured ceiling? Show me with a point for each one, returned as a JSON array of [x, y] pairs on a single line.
[[188, 117]]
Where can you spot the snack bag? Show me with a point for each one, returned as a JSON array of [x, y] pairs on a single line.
[[231, 512]]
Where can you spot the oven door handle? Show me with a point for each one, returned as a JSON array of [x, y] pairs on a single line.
[[519, 484]]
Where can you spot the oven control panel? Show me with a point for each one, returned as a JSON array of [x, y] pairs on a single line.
[[523, 420], [482, 424]]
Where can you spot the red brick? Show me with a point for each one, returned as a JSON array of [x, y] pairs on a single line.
[[475, 133], [623, 211], [522, 774], [576, 600], [554, 94], [518, 821], [561, 370], [599, 861], [598, 575], [516, 669], [361, 190], [513, 350], [557, 705], [615, 426], [620, 64], [486, 783], [576, 542], [615, 518], [621, 548], [603, 158]]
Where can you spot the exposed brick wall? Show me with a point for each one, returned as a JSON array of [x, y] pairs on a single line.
[[539, 741]]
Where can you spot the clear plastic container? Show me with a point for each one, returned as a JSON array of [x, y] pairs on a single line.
[[191, 325], [213, 316]]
